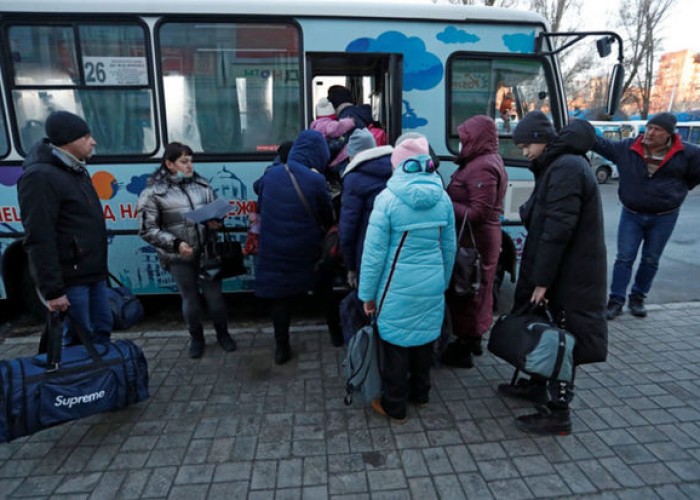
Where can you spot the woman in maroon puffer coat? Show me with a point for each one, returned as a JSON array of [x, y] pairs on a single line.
[[477, 189]]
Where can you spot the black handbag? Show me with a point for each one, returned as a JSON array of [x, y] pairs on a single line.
[[466, 274], [221, 259]]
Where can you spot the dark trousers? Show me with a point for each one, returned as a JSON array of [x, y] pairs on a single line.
[[281, 308], [405, 376], [186, 276]]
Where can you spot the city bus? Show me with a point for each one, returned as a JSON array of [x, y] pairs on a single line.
[[689, 131], [233, 79]]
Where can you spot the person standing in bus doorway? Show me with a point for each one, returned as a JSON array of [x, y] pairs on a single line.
[[173, 190], [65, 232], [656, 170], [407, 262], [563, 263], [477, 189], [292, 226]]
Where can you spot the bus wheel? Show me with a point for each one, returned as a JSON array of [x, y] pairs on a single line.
[[30, 299], [602, 173]]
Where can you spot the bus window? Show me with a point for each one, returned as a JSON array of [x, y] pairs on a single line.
[[231, 87], [4, 144], [109, 85], [694, 135], [505, 89]]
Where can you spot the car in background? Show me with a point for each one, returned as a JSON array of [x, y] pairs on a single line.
[[605, 169]]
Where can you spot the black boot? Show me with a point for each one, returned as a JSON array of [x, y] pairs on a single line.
[[283, 352], [458, 355], [525, 389], [224, 338], [196, 342], [636, 306], [475, 347], [549, 419]]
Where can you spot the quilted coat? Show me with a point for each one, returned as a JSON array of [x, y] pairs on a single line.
[[290, 238], [413, 311]]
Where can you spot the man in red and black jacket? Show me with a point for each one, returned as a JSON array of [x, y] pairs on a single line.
[[656, 172]]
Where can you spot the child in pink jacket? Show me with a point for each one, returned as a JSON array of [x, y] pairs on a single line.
[[327, 123]]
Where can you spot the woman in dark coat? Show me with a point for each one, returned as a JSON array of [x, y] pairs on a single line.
[[564, 258], [290, 237], [476, 189]]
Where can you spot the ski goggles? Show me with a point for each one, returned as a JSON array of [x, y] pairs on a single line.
[[422, 163]]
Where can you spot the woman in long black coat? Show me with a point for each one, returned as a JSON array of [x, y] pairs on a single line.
[[564, 258]]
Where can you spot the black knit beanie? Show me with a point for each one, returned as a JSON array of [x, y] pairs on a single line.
[[664, 120], [534, 128], [63, 127], [338, 95]]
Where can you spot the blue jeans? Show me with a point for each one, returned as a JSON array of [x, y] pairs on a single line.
[[90, 307], [652, 231]]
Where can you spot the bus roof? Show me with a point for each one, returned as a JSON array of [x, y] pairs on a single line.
[[316, 8]]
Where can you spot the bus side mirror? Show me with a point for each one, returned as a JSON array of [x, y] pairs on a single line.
[[604, 46], [615, 89]]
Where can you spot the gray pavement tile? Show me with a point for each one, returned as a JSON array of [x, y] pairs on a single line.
[[486, 451], [129, 460], [406, 441], [547, 486], [17, 468], [413, 463], [667, 451], [289, 473], [422, 488], [381, 459], [353, 462], [162, 458], [37, 486], [221, 450], [474, 486], [654, 473], [575, 478], [437, 461], [692, 490], [460, 458], [264, 474], [621, 472], [109, 484], [315, 471], [448, 486], [233, 472], [634, 454], [671, 492], [244, 448], [79, 483], [76, 459], [388, 479], [314, 493], [134, 484], [552, 448], [188, 492], [343, 483], [228, 491], [637, 493], [510, 489], [195, 474], [598, 475], [687, 470], [533, 465], [493, 470]]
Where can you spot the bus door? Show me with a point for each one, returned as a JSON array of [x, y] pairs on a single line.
[[373, 79]]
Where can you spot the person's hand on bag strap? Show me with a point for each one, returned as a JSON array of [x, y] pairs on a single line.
[[184, 249], [369, 307], [538, 296], [215, 224], [59, 304]]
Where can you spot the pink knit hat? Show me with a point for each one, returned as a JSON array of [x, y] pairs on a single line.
[[409, 148]]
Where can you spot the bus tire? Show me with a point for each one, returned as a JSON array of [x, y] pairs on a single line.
[[602, 174], [30, 300]]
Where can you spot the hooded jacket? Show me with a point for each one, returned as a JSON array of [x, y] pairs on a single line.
[[477, 189], [364, 178], [290, 238], [65, 233], [413, 311], [565, 246], [662, 191], [162, 207]]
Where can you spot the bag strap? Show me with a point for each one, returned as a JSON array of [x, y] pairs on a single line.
[[465, 220], [391, 272], [561, 348], [115, 279], [55, 339], [301, 196]]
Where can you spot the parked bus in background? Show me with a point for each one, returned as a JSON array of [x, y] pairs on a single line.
[[689, 131], [233, 79], [604, 168]]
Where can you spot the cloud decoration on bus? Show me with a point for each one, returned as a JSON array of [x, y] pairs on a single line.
[[10, 175], [452, 34], [520, 42], [409, 119], [422, 70], [138, 183]]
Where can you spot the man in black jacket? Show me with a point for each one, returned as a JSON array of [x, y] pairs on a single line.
[[65, 234]]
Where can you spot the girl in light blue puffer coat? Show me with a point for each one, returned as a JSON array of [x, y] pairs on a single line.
[[414, 203]]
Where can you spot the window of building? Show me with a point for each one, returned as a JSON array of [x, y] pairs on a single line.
[[98, 71], [503, 88], [231, 87]]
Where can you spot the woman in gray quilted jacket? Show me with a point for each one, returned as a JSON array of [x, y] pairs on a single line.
[[173, 190]]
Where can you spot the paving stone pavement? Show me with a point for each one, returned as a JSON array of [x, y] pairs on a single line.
[[234, 425]]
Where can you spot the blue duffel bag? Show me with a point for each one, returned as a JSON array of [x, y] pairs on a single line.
[[68, 383], [127, 309]]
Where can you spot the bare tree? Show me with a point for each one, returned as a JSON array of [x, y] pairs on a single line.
[[639, 21]]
